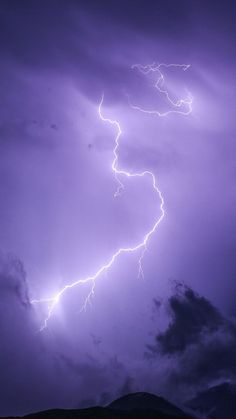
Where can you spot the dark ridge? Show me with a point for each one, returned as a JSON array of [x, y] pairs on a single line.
[[131, 406], [146, 401]]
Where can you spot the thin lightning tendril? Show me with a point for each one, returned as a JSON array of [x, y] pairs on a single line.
[[178, 104], [142, 245]]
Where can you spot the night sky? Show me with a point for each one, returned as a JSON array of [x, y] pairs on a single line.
[[171, 331]]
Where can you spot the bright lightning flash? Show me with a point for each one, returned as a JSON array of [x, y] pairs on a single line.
[[120, 173]]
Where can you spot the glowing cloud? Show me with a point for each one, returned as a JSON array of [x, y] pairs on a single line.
[[119, 174]]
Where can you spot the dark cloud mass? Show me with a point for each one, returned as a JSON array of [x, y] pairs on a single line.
[[193, 316], [60, 221], [200, 343], [13, 278]]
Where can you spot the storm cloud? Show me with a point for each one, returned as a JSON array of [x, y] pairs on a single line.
[[199, 342], [13, 278], [60, 221]]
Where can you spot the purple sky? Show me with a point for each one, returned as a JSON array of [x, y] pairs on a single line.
[[60, 220]]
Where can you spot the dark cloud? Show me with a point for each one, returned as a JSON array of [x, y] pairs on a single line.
[[216, 402], [212, 359], [199, 343], [13, 278], [192, 316]]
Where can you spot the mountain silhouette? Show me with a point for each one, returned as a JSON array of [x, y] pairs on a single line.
[[141, 401], [131, 406]]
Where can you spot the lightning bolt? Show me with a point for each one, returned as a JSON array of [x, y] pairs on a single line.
[[179, 104], [53, 301]]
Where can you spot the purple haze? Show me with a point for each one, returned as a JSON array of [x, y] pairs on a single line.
[[59, 218]]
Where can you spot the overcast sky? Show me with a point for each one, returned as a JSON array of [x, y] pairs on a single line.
[[60, 221]]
